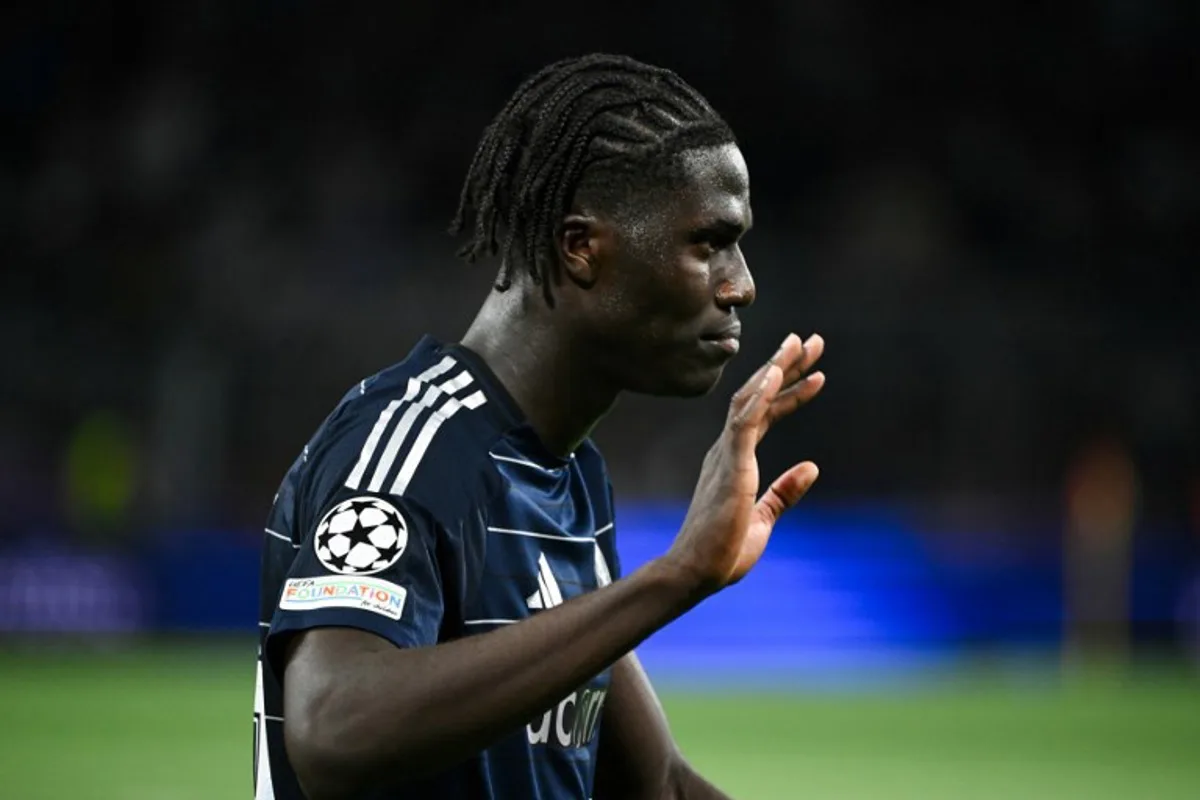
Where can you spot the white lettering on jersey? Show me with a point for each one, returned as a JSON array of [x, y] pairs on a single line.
[[573, 722]]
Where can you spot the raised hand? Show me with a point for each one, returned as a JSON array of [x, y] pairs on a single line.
[[728, 524]]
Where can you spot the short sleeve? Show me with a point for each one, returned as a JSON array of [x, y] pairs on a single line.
[[369, 562]]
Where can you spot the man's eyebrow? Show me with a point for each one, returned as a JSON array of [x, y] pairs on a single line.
[[725, 226]]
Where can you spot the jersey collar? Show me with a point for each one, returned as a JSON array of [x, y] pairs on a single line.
[[509, 414]]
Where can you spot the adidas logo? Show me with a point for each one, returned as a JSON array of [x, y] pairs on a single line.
[[548, 595], [573, 722]]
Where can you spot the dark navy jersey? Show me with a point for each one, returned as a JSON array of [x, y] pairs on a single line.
[[425, 509]]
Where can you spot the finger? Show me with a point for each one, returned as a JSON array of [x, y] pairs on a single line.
[[814, 348], [789, 354], [788, 350], [785, 491], [745, 423], [789, 399], [802, 390]]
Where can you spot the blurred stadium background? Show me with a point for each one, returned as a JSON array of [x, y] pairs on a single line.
[[216, 217]]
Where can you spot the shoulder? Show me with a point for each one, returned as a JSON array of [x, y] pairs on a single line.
[[419, 430]]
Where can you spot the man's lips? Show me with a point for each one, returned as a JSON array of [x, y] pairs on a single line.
[[733, 331], [727, 338]]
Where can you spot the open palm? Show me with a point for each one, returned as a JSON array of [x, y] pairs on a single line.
[[728, 525]]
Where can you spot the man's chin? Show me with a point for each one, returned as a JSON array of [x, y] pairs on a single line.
[[694, 383]]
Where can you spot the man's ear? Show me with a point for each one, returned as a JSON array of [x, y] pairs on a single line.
[[580, 243]]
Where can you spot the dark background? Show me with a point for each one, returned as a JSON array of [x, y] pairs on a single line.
[[217, 217]]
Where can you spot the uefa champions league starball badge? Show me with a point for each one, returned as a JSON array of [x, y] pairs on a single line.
[[361, 536]]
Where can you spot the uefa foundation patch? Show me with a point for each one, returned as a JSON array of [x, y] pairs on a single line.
[[339, 591]]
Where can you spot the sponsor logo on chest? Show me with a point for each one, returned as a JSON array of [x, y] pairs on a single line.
[[571, 723]]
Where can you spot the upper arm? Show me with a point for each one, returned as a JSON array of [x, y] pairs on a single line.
[[369, 562], [312, 662], [364, 584], [638, 756], [318, 732]]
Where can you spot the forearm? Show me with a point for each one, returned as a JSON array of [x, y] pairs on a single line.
[[639, 759], [414, 711]]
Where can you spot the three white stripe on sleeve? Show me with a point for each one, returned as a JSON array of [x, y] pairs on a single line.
[[439, 400]]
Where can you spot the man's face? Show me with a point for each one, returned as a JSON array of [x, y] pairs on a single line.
[[669, 275]]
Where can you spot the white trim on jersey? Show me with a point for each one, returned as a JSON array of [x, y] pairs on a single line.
[[432, 395], [548, 594], [605, 529], [558, 537], [522, 462], [264, 787], [490, 621], [425, 436], [385, 417], [278, 535]]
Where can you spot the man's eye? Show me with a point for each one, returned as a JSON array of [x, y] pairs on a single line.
[[709, 245]]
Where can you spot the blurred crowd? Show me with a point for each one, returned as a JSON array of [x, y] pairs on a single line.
[[217, 217]]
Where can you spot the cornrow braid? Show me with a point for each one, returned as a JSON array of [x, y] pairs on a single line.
[[596, 115]]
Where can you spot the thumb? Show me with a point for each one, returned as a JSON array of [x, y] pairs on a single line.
[[785, 491]]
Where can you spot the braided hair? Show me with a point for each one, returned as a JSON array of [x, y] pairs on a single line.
[[608, 118]]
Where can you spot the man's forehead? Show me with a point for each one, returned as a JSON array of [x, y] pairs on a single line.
[[721, 167], [716, 184]]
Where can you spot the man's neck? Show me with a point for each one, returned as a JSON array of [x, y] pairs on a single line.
[[559, 395]]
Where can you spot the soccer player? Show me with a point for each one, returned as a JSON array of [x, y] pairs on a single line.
[[443, 614]]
